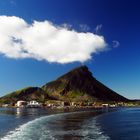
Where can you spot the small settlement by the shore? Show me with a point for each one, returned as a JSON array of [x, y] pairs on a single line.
[[62, 104]]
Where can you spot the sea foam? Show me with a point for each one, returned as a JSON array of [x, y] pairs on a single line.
[[40, 129]]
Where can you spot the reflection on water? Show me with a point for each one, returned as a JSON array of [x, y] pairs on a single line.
[[20, 112], [34, 124], [10, 118], [42, 124]]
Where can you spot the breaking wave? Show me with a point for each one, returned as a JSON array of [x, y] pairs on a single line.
[[51, 128]]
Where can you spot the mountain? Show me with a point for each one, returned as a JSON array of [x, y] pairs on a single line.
[[79, 84], [76, 85], [27, 94]]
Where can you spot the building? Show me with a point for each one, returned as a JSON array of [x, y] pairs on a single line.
[[56, 103], [105, 105], [33, 103], [21, 103], [5, 105]]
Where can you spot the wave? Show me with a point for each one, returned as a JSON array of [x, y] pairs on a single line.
[[93, 130], [50, 128]]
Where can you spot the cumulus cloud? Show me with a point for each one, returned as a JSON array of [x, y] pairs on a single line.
[[116, 44], [42, 40]]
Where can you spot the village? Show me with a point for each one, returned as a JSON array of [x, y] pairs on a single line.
[[64, 104]]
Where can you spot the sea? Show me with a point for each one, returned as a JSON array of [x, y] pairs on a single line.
[[44, 124]]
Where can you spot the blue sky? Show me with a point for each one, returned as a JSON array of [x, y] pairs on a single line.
[[117, 20]]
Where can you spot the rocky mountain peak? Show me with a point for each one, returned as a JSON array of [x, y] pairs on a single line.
[[77, 74]]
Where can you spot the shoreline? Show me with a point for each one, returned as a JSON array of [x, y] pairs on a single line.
[[56, 110]]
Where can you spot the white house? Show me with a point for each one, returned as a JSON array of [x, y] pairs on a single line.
[[105, 105], [33, 104], [21, 103]]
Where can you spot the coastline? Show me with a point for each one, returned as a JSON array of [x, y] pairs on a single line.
[[56, 110]]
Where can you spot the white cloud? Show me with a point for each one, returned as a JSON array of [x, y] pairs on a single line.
[[84, 27], [67, 26], [98, 28], [116, 44], [42, 40]]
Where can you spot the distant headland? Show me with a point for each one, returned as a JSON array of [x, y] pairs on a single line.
[[75, 88]]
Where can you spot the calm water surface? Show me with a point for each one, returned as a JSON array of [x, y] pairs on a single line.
[[41, 124]]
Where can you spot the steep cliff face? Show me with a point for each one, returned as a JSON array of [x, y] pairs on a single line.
[[79, 84]]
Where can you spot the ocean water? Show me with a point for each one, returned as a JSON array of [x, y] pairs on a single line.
[[42, 124]]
